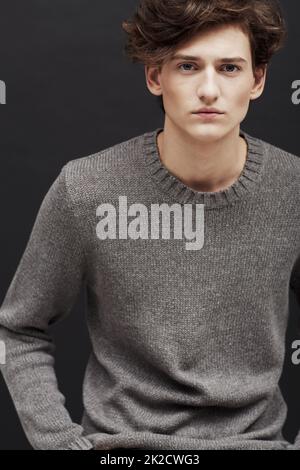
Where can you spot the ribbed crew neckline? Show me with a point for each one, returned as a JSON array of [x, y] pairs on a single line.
[[179, 191]]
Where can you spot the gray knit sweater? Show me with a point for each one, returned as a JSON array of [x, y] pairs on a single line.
[[188, 342]]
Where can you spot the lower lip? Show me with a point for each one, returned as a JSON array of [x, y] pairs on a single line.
[[208, 116]]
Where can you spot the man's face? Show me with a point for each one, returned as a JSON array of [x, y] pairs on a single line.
[[188, 85]]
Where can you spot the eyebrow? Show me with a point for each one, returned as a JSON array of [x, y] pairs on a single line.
[[191, 57]]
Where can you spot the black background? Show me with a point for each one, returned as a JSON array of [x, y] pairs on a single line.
[[71, 92]]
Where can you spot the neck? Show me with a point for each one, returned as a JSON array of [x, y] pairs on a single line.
[[203, 166]]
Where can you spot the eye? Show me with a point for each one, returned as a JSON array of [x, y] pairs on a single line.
[[181, 65], [232, 65], [236, 67]]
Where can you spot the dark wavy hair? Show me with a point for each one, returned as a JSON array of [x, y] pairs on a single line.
[[158, 27]]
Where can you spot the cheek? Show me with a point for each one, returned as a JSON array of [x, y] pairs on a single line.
[[241, 93], [240, 105], [176, 98], [240, 97], [175, 89]]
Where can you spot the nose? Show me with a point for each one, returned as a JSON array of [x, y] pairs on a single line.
[[208, 87]]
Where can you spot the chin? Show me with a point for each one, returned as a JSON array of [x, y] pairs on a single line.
[[208, 133]]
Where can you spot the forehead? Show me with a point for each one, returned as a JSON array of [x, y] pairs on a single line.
[[217, 43]]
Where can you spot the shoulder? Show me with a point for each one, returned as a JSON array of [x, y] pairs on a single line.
[[110, 158], [283, 160], [95, 175], [281, 165]]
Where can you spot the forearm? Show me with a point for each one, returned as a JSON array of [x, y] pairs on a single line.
[[31, 380]]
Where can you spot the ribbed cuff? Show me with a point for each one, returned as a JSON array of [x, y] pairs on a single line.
[[297, 442], [81, 443]]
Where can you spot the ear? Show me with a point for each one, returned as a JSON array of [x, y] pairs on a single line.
[[260, 75], [153, 79]]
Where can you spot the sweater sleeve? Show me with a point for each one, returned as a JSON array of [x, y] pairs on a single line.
[[43, 291]]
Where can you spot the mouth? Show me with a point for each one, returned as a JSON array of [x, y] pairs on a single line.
[[208, 115], [206, 110]]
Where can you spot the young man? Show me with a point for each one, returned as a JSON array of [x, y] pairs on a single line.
[[187, 341]]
